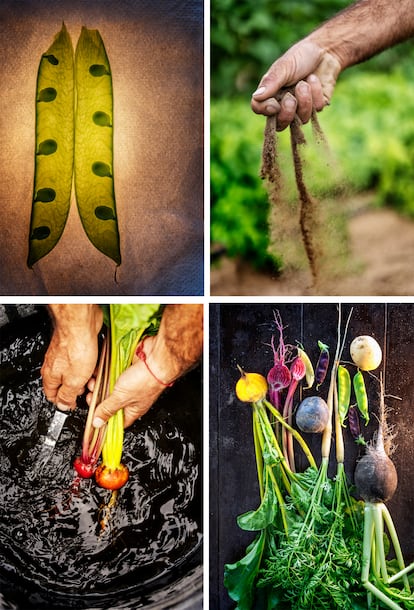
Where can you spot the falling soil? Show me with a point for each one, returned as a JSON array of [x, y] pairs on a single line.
[[381, 251], [54, 552], [270, 172]]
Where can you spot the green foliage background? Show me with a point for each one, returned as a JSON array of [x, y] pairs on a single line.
[[369, 125]]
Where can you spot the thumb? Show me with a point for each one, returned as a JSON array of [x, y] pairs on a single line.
[[66, 396], [106, 409]]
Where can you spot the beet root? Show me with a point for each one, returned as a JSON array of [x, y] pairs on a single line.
[[312, 415], [376, 478]]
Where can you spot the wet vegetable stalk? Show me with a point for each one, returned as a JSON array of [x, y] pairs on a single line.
[[126, 326], [80, 138]]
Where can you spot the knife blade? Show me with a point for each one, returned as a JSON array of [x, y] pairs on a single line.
[[52, 435]]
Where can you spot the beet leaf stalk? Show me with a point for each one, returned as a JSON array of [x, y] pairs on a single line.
[[276, 480], [313, 566], [93, 438], [127, 324]]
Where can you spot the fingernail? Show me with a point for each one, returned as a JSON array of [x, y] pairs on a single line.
[[289, 101], [259, 91], [62, 407], [303, 87], [271, 108], [98, 422]]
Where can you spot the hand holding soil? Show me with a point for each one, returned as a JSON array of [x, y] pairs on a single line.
[[313, 65]]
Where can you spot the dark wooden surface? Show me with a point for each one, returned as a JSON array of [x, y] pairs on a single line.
[[240, 334]]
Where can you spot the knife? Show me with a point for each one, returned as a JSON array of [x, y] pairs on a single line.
[[52, 435]]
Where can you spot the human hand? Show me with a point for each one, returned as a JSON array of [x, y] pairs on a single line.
[[311, 73], [72, 353], [168, 355], [135, 391]]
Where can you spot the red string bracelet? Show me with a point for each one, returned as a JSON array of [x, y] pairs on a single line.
[[142, 356]]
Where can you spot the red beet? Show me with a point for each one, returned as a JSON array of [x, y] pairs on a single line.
[[83, 469]]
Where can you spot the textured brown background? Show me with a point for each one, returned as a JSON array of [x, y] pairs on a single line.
[[156, 55]]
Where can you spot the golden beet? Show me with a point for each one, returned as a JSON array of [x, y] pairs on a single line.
[[251, 387]]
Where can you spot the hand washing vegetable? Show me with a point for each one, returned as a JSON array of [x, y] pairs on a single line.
[[366, 353], [54, 147], [312, 415], [94, 173], [126, 326]]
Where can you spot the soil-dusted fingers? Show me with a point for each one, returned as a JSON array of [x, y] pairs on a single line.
[[319, 100], [288, 106], [267, 107], [54, 147], [303, 95], [94, 180]]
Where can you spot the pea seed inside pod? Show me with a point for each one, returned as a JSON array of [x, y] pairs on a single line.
[[312, 415], [366, 353]]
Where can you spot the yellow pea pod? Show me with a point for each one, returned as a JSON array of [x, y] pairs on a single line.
[[94, 180], [54, 147], [309, 370]]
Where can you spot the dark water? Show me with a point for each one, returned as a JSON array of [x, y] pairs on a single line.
[[54, 552]]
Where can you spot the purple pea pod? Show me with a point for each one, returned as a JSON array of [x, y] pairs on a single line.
[[323, 364]]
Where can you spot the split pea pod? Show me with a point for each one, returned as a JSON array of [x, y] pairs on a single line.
[[94, 180], [344, 392], [361, 395], [54, 147]]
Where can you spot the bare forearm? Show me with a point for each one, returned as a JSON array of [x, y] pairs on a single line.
[[364, 29], [180, 339], [68, 318]]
